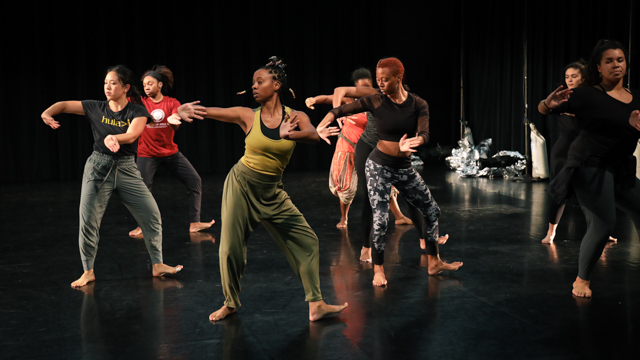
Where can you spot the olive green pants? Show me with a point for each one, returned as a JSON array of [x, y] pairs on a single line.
[[104, 175], [251, 198]]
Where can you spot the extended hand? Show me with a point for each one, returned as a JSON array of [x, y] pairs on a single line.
[[409, 144], [174, 119], [288, 125], [310, 102], [558, 96], [50, 121], [190, 111], [325, 132], [112, 143]]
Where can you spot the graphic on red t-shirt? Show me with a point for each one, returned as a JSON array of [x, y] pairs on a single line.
[[157, 138]]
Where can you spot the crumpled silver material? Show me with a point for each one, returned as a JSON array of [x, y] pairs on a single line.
[[464, 160]]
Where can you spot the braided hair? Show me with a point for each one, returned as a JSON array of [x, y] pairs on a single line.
[[162, 74], [275, 66], [126, 78]]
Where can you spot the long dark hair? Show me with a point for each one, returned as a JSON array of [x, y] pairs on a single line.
[[581, 66], [162, 74], [126, 78], [596, 57]]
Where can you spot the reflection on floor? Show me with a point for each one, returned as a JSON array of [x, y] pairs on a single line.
[[511, 299]]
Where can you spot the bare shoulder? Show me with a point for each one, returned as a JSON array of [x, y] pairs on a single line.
[[300, 114]]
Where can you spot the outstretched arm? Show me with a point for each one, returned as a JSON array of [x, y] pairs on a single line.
[[66, 107], [237, 115], [306, 133], [351, 91], [555, 99]]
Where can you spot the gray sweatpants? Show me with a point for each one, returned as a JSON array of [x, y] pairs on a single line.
[[104, 175]]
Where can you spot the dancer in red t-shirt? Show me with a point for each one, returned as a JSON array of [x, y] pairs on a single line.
[[156, 144]]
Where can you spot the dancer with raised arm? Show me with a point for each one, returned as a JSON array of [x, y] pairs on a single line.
[[253, 191], [156, 145], [116, 124], [575, 74], [600, 166], [398, 113]]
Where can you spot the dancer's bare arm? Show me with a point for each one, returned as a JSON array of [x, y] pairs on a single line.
[[61, 107]]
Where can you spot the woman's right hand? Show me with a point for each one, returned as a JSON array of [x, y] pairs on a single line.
[[50, 121], [558, 97], [310, 102], [325, 131], [190, 111]]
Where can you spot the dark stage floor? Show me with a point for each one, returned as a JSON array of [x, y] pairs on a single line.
[[511, 299]]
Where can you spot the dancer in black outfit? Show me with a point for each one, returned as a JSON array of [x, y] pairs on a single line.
[[398, 113], [600, 166]]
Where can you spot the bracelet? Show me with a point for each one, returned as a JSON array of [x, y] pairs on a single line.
[[547, 106]]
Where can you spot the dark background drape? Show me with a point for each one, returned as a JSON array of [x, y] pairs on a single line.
[[54, 52]]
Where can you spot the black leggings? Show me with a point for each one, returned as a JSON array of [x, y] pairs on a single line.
[[598, 198]]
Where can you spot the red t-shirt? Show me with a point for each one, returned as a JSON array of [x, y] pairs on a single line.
[[157, 138]]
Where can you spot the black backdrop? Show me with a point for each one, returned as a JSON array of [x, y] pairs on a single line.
[[54, 52]]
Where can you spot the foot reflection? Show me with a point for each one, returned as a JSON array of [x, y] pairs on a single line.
[[197, 237]]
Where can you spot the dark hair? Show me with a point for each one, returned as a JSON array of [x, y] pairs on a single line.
[[579, 65], [275, 66], [361, 73], [596, 57], [161, 73], [126, 78]]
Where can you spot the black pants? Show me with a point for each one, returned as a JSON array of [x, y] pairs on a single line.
[[598, 198], [181, 168]]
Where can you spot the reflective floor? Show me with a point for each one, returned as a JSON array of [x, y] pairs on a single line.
[[511, 299]]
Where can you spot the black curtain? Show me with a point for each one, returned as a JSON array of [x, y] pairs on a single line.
[[54, 52]]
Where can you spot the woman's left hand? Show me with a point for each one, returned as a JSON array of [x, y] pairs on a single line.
[[409, 144], [634, 119], [174, 119], [288, 126], [112, 143]]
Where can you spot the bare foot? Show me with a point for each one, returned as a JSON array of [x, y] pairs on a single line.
[[197, 226], [87, 277], [365, 254], [441, 241], [436, 266], [378, 276], [581, 288], [222, 313], [611, 238], [162, 269], [404, 221], [342, 224], [320, 309], [137, 232], [548, 239]]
